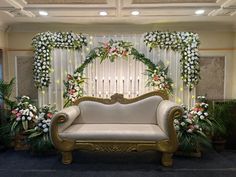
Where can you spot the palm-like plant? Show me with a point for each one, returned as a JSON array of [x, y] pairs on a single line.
[[5, 125], [5, 92]]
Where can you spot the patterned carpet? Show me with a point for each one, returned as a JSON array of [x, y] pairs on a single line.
[[98, 164]]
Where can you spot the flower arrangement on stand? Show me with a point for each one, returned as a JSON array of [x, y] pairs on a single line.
[[114, 49], [23, 115], [158, 79], [38, 136], [22, 119], [74, 88], [194, 127]]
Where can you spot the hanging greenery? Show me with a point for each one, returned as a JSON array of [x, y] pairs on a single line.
[[112, 50], [187, 44], [43, 43]]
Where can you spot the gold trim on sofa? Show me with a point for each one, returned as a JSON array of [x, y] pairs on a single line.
[[167, 147]]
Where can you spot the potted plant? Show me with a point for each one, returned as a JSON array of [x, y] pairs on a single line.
[[5, 108], [222, 119]]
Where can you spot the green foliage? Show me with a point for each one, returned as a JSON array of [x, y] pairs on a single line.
[[5, 92], [5, 125], [222, 119]]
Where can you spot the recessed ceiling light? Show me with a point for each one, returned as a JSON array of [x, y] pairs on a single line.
[[43, 13], [135, 12], [199, 12], [103, 13]]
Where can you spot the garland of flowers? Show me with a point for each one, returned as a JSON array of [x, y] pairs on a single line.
[[111, 50], [194, 126], [43, 43], [185, 42], [23, 115]]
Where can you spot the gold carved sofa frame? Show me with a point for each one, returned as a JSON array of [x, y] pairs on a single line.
[[167, 147]]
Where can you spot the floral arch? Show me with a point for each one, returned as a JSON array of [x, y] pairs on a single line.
[[157, 74]]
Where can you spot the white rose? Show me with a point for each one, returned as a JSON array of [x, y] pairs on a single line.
[[45, 130], [23, 118], [202, 117], [199, 113], [182, 123], [206, 114]]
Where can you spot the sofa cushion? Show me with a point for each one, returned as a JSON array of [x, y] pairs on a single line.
[[130, 132], [140, 112]]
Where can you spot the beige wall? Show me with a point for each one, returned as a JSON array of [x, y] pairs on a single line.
[[2, 39], [215, 40]]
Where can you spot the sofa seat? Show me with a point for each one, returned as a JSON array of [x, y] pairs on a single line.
[[118, 132]]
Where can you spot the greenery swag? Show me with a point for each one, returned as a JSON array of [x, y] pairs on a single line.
[[187, 44], [43, 43], [111, 50]]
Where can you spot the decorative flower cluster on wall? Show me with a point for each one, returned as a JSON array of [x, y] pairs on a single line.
[[114, 49], [43, 43], [158, 78], [187, 44]]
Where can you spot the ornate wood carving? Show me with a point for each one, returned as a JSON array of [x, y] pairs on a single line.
[[120, 98]]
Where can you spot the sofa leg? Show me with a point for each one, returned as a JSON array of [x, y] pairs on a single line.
[[166, 159], [66, 157]]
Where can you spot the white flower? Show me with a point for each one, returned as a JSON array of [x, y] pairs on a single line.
[[45, 130], [202, 117], [182, 123], [199, 113], [205, 113], [189, 130]]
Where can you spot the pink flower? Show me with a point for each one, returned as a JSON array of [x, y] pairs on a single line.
[[49, 115], [71, 91], [14, 111], [156, 78], [18, 114]]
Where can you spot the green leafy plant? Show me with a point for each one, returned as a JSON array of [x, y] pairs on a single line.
[[38, 136], [5, 124], [5, 92], [222, 119]]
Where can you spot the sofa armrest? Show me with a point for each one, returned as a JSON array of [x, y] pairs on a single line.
[[60, 122], [166, 112], [65, 117]]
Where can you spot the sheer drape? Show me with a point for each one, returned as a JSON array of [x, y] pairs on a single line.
[[125, 75]]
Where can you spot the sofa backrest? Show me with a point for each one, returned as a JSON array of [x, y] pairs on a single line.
[[140, 112]]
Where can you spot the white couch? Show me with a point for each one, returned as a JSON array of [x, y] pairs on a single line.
[[117, 124]]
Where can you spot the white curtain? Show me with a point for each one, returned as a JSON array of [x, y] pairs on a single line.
[[124, 76]]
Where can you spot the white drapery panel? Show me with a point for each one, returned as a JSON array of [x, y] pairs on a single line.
[[124, 75]]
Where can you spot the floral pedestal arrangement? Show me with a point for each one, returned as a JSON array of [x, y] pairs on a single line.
[[193, 129]]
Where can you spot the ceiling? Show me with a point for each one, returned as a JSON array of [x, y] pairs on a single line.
[[119, 11]]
